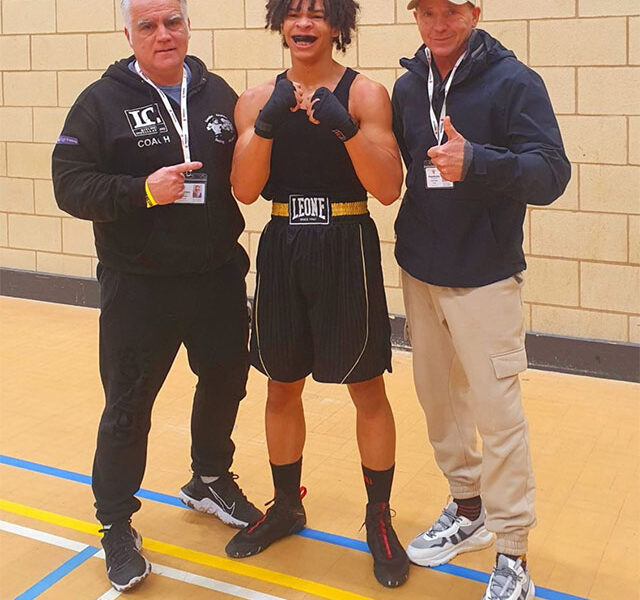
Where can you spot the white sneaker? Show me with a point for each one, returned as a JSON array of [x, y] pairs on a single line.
[[509, 581], [449, 536]]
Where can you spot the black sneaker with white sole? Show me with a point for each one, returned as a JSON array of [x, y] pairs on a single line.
[[126, 567], [222, 498]]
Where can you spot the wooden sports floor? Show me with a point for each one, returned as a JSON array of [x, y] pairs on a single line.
[[585, 445]]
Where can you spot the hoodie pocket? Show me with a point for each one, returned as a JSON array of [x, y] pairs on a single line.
[[508, 364], [178, 241]]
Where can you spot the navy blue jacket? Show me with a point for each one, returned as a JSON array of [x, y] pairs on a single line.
[[472, 235]]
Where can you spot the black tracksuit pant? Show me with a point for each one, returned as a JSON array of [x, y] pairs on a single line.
[[143, 321]]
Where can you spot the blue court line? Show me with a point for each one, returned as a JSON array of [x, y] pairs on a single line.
[[52, 578], [314, 534], [80, 478], [332, 538]]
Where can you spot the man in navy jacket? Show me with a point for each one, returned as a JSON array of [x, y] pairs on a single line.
[[480, 141]]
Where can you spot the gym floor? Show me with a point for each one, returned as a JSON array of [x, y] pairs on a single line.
[[585, 438]]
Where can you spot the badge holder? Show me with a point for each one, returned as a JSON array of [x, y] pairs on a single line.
[[433, 177], [195, 188]]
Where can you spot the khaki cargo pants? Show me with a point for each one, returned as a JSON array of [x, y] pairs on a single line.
[[468, 348]]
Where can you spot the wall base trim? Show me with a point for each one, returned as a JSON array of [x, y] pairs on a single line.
[[579, 356]]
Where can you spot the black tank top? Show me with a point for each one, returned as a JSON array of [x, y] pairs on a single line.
[[309, 159]]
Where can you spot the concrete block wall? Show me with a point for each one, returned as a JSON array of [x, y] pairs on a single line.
[[583, 251]]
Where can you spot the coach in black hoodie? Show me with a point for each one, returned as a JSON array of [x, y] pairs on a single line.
[[480, 141], [145, 153]]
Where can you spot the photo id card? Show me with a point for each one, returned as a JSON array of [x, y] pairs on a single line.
[[195, 188], [433, 177]]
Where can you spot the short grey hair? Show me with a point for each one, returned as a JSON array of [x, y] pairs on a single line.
[[125, 10]]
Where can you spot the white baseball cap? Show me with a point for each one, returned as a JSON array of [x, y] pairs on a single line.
[[414, 3]]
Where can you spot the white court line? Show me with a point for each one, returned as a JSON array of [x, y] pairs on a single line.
[[112, 594], [41, 536], [162, 570], [212, 584]]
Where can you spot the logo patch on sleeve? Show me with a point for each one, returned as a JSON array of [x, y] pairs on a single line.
[[67, 140], [309, 210]]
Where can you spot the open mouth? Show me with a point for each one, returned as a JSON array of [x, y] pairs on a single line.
[[304, 40]]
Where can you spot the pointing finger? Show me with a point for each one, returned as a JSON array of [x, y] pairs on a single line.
[[186, 166]]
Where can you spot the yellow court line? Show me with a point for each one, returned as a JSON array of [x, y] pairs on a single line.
[[201, 558]]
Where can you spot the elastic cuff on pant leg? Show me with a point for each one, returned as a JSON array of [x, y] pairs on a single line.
[[464, 492], [514, 545]]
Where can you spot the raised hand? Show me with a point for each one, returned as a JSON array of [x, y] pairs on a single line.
[[327, 111], [449, 157], [285, 98], [167, 184]]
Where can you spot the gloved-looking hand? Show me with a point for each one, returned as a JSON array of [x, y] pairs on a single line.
[[282, 100], [327, 111]]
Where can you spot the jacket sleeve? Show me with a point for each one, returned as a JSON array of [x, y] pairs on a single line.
[[398, 127], [81, 183], [533, 167]]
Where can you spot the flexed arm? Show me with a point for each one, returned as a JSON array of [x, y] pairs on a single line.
[[259, 112], [366, 133]]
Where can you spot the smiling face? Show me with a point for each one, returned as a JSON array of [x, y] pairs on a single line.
[[159, 36], [306, 29], [445, 28]]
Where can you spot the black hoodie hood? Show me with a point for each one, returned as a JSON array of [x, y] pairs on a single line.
[[482, 51], [120, 71]]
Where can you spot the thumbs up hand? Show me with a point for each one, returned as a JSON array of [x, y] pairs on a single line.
[[449, 157]]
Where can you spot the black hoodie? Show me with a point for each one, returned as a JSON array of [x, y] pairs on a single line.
[[472, 235], [116, 134]]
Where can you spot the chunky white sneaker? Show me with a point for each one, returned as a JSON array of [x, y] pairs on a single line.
[[449, 536], [509, 581]]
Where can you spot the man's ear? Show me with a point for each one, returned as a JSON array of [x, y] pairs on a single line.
[[128, 35], [476, 15], [189, 27]]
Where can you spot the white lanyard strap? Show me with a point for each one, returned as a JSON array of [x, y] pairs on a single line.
[[438, 125], [181, 128]]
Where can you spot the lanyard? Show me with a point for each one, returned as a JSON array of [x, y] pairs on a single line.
[[438, 126], [182, 129]]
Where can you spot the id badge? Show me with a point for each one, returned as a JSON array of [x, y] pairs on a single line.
[[195, 189], [433, 178]]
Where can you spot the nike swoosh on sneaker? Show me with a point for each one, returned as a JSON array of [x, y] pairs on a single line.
[[219, 499]]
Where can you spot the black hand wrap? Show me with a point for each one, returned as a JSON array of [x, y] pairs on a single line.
[[333, 115], [276, 109]]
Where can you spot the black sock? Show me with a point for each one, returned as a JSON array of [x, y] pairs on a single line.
[[378, 484], [469, 507], [286, 478]]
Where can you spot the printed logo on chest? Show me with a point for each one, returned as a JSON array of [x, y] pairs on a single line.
[[146, 120], [221, 127]]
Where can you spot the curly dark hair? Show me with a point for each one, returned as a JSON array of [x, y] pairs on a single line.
[[341, 14]]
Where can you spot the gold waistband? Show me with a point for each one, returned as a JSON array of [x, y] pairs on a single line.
[[338, 209]]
